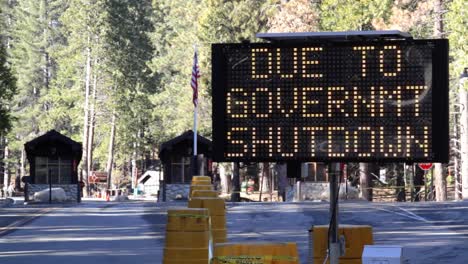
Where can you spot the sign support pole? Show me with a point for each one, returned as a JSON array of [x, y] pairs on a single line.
[[425, 186], [333, 240], [411, 182]]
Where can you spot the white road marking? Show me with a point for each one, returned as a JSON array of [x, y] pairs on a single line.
[[406, 213]]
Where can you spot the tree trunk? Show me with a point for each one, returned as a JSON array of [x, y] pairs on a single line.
[[16, 180], [272, 182], [46, 69], [110, 153], [6, 168], [235, 196], [92, 123], [400, 182], [225, 179], [365, 181], [282, 180], [46, 66], [266, 177], [85, 172], [418, 181], [440, 187], [439, 19], [10, 25], [22, 163], [134, 168], [438, 172], [463, 99]]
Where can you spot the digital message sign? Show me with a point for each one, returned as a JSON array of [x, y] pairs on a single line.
[[331, 101]]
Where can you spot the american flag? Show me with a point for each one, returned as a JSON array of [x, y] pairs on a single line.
[[195, 76]]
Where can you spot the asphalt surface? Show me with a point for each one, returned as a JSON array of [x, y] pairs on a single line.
[[100, 232], [91, 232], [13, 212], [428, 232]]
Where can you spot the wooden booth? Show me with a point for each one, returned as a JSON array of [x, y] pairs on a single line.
[[53, 159], [176, 156]]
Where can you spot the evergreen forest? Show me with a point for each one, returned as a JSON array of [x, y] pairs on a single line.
[[115, 74]]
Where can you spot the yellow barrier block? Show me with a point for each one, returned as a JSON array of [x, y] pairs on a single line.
[[216, 206], [202, 193], [356, 236], [201, 182], [200, 188], [257, 253], [183, 254], [201, 178], [192, 261], [218, 222], [188, 236], [341, 261], [188, 239], [219, 235], [189, 219]]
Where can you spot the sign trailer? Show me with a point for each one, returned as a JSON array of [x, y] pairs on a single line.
[[332, 97]]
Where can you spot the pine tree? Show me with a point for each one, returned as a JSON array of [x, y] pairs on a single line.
[[33, 33], [295, 16], [131, 50], [343, 15], [7, 91], [6, 21], [84, 27], [415, 17], [456, 21], [175, 24]]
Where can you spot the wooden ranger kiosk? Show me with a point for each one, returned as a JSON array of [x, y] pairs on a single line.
[[53, 160]]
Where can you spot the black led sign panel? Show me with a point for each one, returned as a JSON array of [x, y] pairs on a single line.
[[349, 101]]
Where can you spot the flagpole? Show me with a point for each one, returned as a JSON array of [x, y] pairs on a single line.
[[195, 139], [195, 110]]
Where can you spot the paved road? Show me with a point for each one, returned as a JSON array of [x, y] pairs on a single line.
[[133, 232], [15, 212], [429, 232], [92, 232]]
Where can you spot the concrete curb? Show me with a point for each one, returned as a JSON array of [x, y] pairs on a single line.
[[13, 226]]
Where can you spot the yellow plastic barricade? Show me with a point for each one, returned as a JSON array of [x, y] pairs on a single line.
[[219, 235], [201, 178], [217, 209], [185, 261], [202, 193], [218, 222], [185, 254], [356, 237], [201, 182], [255, 253], [187, 239], [200, 188], [216, 206], [188, 236], [188, 219], [341, 261]]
